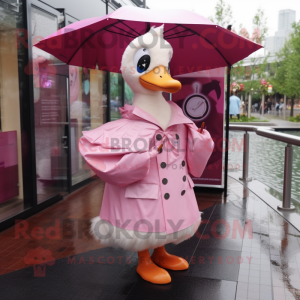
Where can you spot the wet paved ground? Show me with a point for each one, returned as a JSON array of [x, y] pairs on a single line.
[[243, 250]]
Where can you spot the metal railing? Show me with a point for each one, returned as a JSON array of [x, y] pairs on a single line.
[[288, 161]]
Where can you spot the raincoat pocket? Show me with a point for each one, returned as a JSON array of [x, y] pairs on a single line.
[[139, 190], [190, 180]]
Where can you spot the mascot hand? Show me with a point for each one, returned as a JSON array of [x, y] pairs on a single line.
[[153, 152], [202, 127]]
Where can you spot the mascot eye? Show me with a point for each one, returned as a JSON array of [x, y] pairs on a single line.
[[141, 60]]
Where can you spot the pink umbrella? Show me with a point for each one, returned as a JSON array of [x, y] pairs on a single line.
[[198, 43]]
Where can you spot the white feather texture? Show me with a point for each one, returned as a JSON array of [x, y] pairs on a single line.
[[131, 240], [160, 51]]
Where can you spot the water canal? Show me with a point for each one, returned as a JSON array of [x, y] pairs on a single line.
[[266, 162]]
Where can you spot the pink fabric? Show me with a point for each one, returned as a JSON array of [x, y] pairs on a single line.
[[138, 183], [90, 42], [142, 190]]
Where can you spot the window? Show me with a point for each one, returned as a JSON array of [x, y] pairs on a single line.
[[115, 95], [11, 69], [50, 112], [88, 105], [128, 94]]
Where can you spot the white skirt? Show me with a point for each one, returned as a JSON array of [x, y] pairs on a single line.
[[131, 240]]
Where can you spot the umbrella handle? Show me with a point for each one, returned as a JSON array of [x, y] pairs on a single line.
[[202, 127]]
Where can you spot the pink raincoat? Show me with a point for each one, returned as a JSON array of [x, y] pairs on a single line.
[[149, 199]]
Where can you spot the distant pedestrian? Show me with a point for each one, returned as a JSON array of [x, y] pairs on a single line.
[[234, 106], [281, 106], [269, 105], [277, 108], [265, 107]]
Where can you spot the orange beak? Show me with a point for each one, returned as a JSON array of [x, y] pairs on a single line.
[[159, 79]]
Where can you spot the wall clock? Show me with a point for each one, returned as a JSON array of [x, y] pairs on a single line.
[[196, 106]]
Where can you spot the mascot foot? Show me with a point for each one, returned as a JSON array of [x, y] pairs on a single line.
[[168, 261], [149, 271]]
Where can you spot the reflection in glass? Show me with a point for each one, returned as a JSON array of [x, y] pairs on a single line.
[[128, 94], [50, 110], [11, 64], [88, 103], [115, 95]]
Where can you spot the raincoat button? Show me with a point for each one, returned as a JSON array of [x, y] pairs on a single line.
[[177, 136], [183, 163], [165, 181], [184, 178], [160, 151], [183, 192], [163, 165], [158, 137], [167, 196]]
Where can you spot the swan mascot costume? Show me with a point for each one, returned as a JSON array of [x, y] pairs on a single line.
[[145, 158]]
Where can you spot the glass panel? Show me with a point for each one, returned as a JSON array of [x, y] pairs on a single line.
[[88, 105], [12, 2], [115, 95], [50, 108], [11, 179], [128, 94]]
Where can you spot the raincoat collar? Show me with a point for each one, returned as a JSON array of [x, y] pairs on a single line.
[[136, 113]]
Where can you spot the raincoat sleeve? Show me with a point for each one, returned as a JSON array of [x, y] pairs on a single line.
[[116, 169], [114, 165], [198, 150]]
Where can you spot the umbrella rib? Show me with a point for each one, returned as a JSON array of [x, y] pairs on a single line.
[[181, 36], [125, 31], [138, 34], [104, 28], [176, 33], [171, 29], [206, 41], [131, 36]]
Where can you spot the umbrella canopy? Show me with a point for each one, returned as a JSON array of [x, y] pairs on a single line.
[[198, 43]]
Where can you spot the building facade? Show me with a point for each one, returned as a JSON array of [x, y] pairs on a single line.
[[46, 104], [286, 18]]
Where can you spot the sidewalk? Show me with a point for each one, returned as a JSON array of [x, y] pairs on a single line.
[[279, 122], [243, 250]]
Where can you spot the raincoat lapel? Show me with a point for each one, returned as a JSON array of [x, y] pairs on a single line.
[[136, 113]]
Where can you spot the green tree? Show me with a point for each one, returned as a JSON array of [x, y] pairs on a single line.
[[115, 85], [260, 22], [238, 72], [128, 94], [223, 14], [256, 69], [287, 78]]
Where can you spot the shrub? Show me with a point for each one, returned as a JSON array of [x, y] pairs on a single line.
[[295, 119]]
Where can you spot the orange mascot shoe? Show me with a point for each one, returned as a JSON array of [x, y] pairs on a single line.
[[149, 271], [168, 261]]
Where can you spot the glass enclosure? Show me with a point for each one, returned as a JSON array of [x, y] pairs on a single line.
[[50, 111], [11, 64], [88, 105], [128, 94], [115, 95], [66, 99]]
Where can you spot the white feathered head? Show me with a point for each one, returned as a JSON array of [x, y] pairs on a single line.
[[145, 63]]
